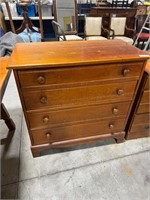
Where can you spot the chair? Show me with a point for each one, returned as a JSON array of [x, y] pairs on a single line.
[[60, 35], [27, 30], [59, 32], [142, 36], [118, 29], [93, 28], [65, 14]]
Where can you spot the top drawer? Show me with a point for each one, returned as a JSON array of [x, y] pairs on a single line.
[[77, 75]]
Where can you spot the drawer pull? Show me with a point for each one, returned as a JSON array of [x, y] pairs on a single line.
[[111, 126], [125, 72], [43, 100], [147, 127], [115, 111], [41, 80], [45, 120], [120, 92], [48, 135]]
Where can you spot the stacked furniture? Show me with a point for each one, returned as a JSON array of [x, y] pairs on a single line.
[[139, 125], [76, 92]]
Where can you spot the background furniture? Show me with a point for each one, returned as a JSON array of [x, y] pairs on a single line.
[[118, 29], [65, 14], [142, 31], [78, 91], [27, 30], [60, 35], [93, 28], [139, 124], [4, 77], [59, 32], [106, 12]]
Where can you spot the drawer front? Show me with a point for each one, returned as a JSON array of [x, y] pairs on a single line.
[[141, 119], [143, 108], [52, 135], [75, 96], [74, 115], [140, 134], [147, 84], [73, 75], [145, 97], [140, 128]]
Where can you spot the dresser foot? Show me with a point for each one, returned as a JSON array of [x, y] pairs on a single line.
[[120, 138], [35, 152]]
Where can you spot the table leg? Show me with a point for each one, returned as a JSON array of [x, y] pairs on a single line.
[[6, 117]]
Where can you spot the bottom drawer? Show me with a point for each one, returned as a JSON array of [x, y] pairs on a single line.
[[140, 128], [139, 134], [44, 136], [141, 119]]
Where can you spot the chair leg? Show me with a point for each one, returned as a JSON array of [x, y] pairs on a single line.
[[6, 117]]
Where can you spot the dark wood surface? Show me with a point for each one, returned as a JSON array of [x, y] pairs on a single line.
[[139, 125], [4, 77], [76, 92]]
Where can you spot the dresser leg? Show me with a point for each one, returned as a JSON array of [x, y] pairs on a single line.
[[35, 152], [6, 117], [120, 138]]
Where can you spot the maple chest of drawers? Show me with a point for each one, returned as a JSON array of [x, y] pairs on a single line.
[[76, 92], [139, 122]]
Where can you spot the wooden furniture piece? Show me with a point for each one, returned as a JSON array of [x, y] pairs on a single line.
[[65, 14], [118, 29], [106, 12], [139, 125], [60, 34], [93, 28], [76, 92], [26, 23], [4, 77]]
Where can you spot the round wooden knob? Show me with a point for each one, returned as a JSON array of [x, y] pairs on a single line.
[[41, 80], [125, 72], [48, 135], [120, 92], [43, 100], [45, 119], [111, 126], [147, 127], [115, 111]]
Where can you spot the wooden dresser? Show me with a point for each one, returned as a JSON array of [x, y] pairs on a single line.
[[139, 122], [76, 92]]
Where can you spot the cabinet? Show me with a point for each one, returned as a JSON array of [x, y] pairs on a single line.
[[139, 124], [76, 92]]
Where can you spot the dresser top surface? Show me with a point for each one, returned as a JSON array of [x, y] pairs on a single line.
[[73, 53]]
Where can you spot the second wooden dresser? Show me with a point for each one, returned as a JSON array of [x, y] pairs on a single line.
[[76, 92], [139, 120]]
